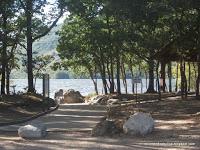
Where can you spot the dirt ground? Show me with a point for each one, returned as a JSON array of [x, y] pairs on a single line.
[[19, 107], [177, 126]]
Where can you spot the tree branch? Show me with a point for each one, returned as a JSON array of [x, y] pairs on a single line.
[[22, 45], [23, 5], [49, 29]]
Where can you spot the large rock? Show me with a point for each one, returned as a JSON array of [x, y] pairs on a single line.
[[106, 127], [58, 93], [72, 96], [32, 131], [99, 100], [59, 96], [139, 124]]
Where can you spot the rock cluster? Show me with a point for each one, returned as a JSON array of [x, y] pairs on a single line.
[[138, 124]]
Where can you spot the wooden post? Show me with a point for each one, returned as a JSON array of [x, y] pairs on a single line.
[[46, 85]]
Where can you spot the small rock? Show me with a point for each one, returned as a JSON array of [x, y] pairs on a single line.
[[113, 101], [99, 99], [32, 131], [139, 124], [124, 99], [72, 96], [106, 127]]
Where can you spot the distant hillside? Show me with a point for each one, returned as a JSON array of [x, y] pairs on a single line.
[[48, 43], [45, 45]]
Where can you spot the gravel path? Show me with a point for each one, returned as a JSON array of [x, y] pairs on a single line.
[[69, 128], [68, 117]]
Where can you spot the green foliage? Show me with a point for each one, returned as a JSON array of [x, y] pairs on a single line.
[[98, 34], [99, 38], [40, 64]]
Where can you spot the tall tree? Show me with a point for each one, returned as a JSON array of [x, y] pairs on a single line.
[[41, 17], [10, 32]]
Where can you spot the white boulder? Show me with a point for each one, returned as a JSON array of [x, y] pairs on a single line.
[[32, 131], [139, 124]]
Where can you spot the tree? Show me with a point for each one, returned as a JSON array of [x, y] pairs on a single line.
[[38, 24], [11, 25], [74, 48], [39, 65], [112, 30]]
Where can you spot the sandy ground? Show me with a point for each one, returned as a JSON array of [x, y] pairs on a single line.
[[175, 129], [83, 141]]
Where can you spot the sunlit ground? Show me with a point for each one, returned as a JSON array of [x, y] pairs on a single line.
[[177, 127]]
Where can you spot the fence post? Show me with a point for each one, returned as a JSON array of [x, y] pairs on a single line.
[[46, 85]]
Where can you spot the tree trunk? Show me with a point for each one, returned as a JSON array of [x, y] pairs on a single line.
[[112, 82], [163, 86], [112, 86], [132, 76], [7, 80], [176, 88], [183, 80], [189, 76], [198, 80], [124, 77], [170, 76], [157, 79], [146, 78], [4, 54], [103, 72], [93, 80], [104, 81], [109, 76], [195, 71], [151, 77], [118, 72], [29, 11]]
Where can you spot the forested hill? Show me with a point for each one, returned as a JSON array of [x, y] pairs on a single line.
[[45, 45], [48, 43]]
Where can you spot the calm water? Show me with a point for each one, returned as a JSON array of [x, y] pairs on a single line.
[[85, 86]]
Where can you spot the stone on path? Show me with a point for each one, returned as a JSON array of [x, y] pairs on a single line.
[[72, 96], [106, 127], [113, 101], [99, 100], [139, 124], [32, 131]]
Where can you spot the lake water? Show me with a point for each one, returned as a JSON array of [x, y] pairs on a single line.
[[84, 86]]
